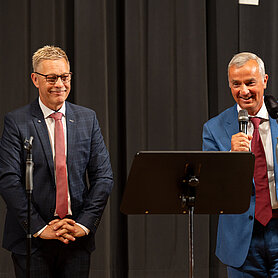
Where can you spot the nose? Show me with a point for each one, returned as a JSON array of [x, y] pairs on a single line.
[[59, 82], [244, 89]]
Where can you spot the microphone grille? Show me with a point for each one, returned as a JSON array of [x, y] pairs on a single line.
[[243, 116]]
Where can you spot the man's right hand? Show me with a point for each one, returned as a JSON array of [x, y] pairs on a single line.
[[240, 142]]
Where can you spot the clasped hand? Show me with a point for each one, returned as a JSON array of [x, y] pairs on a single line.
[[240, 142], [65, 230]]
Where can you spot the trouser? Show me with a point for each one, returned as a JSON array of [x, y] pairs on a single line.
[[262, 258], [55, 259]]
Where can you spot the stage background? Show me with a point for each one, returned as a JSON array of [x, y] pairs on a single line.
[[154, 71]]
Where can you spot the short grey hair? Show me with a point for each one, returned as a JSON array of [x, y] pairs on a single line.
[[242, 58], [48, 52]]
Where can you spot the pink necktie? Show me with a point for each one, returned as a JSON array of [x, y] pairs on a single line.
[[263, 210], [60, 166]]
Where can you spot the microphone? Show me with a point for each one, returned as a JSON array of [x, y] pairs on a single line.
[[271, 106], [243, 120], [29, 164]]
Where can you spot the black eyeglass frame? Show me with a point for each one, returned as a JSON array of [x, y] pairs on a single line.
[[57, 77]]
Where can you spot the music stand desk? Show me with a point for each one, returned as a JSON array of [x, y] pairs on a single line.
[[181, 182]]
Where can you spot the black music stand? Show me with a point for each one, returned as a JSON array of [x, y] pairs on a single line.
[[181, 182]]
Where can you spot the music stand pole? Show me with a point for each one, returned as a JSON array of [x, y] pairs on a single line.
[[191, 245], [189, 184]]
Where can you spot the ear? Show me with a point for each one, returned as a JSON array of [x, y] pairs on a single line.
[[265, 80], [35, 80]]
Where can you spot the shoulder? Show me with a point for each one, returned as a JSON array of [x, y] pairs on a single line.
[[227, 115], [78, 110], [81, 115], [218, 130], [20, 114], [21, 110]]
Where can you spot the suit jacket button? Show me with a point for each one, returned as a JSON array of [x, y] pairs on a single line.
[[52, 210], [250, 217]]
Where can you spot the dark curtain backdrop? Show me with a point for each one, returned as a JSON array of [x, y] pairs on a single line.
[[154, 71]]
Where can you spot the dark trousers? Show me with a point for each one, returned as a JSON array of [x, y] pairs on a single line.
[[55, 259], [262, 258]]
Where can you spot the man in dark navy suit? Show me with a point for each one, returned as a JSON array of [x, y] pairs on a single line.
[[61, 242]]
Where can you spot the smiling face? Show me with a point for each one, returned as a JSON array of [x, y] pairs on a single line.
[[247, 86], [52, 96]]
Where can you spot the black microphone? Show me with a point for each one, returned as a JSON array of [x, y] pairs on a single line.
[[243, 120], [29, 164], [271, 106]]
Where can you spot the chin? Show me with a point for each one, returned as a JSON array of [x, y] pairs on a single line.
[[59, 98], [246, 104]]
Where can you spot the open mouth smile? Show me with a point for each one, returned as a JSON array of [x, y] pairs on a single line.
[[57, 91], [246, 98]]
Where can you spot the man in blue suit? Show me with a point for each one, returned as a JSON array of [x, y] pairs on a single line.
[[247, 247], [61, 245]]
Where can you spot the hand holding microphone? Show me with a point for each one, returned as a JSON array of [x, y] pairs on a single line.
[[241, 141]]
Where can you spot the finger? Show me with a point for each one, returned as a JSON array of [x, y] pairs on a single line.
[[65, 229], [64, 222], [69, 220], [245, 143], [53, 221], [61, 232], [71, 228], [58, 226], [242, 145], [240, 135], [64, 240], [69, 237]]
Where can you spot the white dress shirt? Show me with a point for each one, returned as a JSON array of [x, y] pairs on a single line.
[[265, 133]]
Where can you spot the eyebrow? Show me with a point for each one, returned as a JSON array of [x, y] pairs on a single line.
[[248, 80]]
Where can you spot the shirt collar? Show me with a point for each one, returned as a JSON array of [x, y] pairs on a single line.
[[47, 111], [263, 114]]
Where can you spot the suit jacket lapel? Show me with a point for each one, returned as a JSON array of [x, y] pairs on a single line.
[[231, 124], [40, 125], [71, 134]]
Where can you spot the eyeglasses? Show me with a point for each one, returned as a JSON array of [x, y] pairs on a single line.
[[53, 78]]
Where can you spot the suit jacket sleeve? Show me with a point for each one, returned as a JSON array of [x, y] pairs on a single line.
[[12, 176], [99, 174], [209, 142]]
